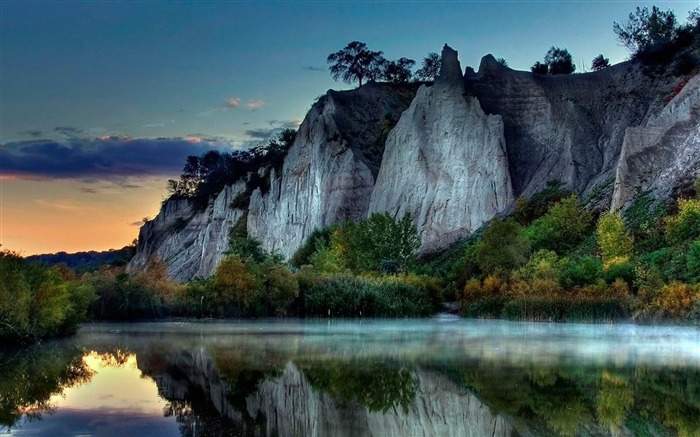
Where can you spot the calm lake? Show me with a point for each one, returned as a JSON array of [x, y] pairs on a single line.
[[443, 376]]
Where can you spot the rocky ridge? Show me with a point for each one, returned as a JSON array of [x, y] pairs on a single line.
[[462, 152]]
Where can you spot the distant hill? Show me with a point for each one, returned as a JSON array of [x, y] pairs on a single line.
[[83, 262]]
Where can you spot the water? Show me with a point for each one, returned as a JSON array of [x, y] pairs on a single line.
[[385, 377]]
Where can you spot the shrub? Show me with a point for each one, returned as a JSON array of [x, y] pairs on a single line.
[[280, 287], [303, 254], [562, 228], [503, 247], [624, 271], [543, 264], [348, 296], [579, 273], [684, 226], [234, 283], [528, 210], [693, 261], [676, 300]]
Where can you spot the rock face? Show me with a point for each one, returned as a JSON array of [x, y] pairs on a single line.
[[191, 243], [462, 151], [330, 169], [445, 162], [566, 128], [665, 152], [288, 405]]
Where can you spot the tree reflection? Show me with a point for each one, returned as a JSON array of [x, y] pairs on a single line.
[[370, 383], [30, 377]]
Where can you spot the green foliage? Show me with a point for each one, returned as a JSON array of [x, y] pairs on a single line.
[[614, 240], [503, 247], [670, 262], [280, 288], [381, 238], [693, 261], [622, 270], [375, 385], [82, 262], [326, 260], [684, 226], [644, 220], [303, 254], [543, 265], [528, 210], [579, 273], [562, 228], [38, 301], [348, 296], [234, 283], [566, 308]]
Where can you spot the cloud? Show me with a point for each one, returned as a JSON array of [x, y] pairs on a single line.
[[89, 191], [312, 68], [233, 102], [106, 158], [255, 104], [285, 124], [36, 133], [138, 223], [261, 134], [69, 131]]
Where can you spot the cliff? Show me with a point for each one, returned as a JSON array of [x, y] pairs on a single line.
[[330, 170], [445, 162], [453, 154], [191, 243]]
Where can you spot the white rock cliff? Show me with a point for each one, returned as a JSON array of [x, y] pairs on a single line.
[[445, 162]]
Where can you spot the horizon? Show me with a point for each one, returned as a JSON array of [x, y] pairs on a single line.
[[102, 102]]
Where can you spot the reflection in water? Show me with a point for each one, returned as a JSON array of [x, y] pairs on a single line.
[[350, 378]]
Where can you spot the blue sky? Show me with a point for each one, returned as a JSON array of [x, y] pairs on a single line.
[[111, 77]]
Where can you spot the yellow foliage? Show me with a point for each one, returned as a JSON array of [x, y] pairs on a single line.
[[472, 289], [613, 239], [676, 299], [545, 287], [234, 282], [493, 284], [620, 288]]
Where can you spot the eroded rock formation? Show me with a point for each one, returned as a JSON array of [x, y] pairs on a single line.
[[445, 162]]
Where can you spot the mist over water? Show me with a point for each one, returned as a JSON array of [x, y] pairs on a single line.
[[442, 376]]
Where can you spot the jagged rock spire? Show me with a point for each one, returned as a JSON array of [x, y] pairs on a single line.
[[450, 70]]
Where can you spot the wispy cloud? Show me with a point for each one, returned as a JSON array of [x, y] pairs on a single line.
[[276, 126], [63, 205], [89, 191], [35, 133], [233, 102], [254, 105], [68, 131], [138, 223], [312, 68]]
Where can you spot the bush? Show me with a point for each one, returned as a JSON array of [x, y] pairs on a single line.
[[528, 210], [579, 273], [684, 226], [347, 296], [280, 288], [624, 271], [303, 254], [676, 300], [562, 228], [503, 247], [234, 283], [693, 261]]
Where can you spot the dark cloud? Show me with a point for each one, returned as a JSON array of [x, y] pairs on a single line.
[[261, 134], [68, 131], [110, 159], [36, 133], [312, 68], [138, 223], [89, 190]]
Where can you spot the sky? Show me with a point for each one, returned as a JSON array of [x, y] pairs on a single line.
[[102, 101]]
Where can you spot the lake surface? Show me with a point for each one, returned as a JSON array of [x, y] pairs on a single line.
[[443, 376]]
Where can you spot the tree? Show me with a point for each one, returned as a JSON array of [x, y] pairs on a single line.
[[355, 62], [539, 68], [644, 30], [383, 238], [502, 61], [503, 247], [562, 228], [398, 71], [429, 68], [559, 61], [599, 63], [613, 239]]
